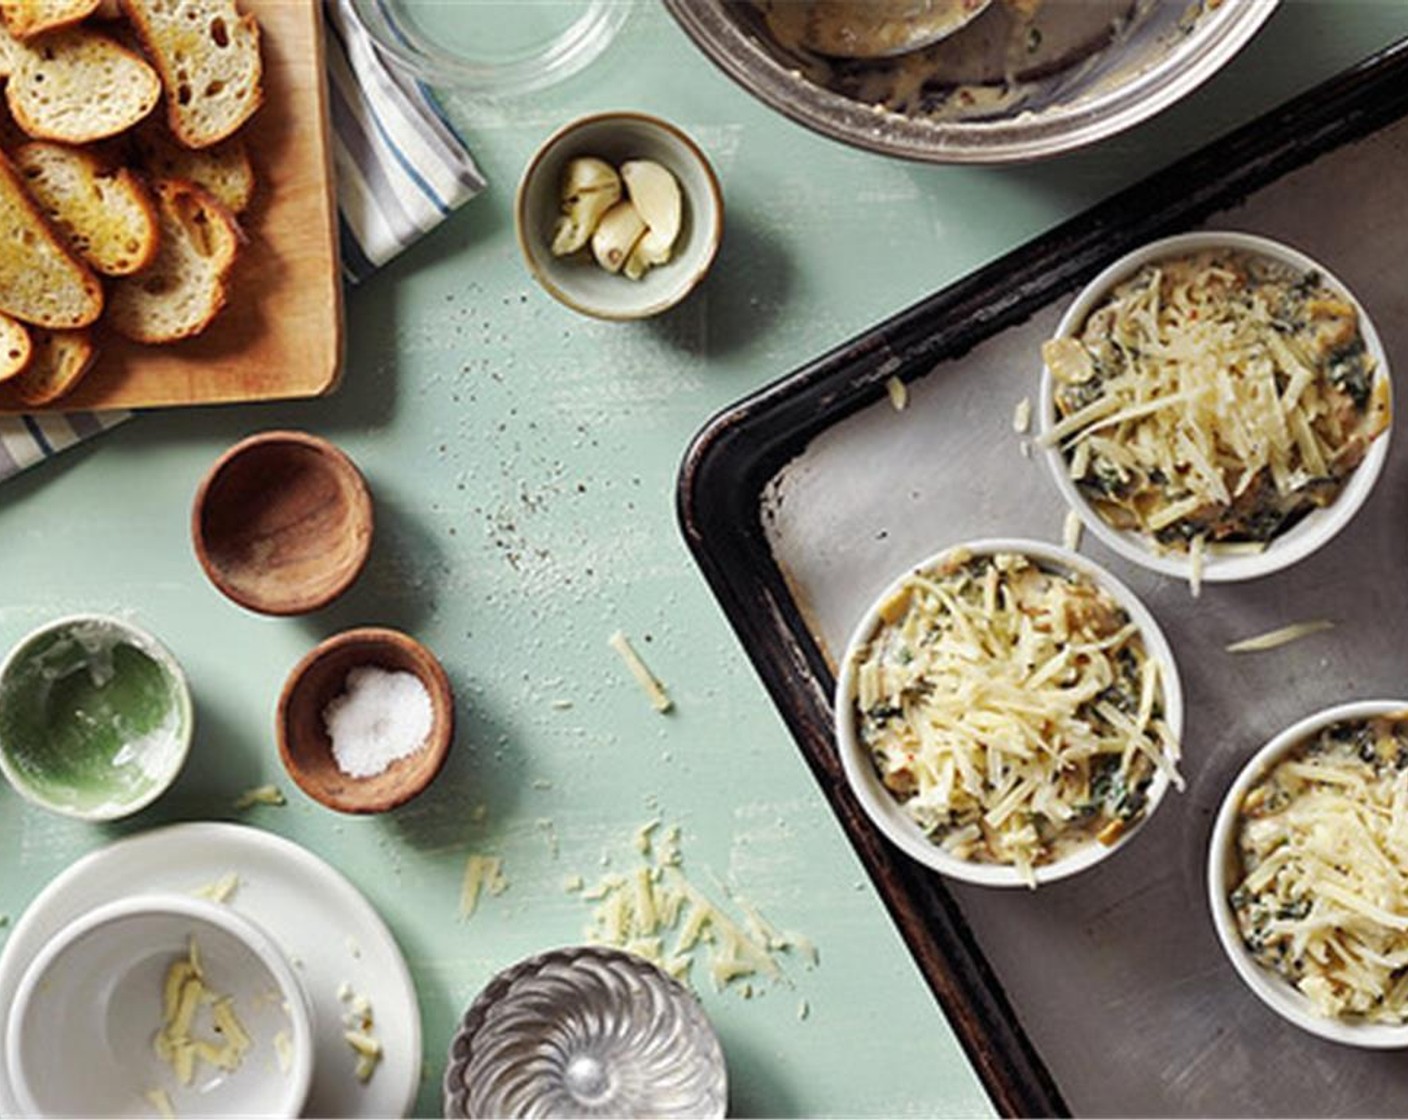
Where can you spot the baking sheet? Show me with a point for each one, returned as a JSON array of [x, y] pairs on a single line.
[[1108, 994]]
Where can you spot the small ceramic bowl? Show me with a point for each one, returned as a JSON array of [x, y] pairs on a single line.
[[577, 280], [1224, 873], [282, 523], [307, 746], [79, 1037], [885, 811], [1297, 542], [586, 1031], [95, 717]]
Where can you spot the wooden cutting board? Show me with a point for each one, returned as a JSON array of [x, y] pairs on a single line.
[[280, 335]]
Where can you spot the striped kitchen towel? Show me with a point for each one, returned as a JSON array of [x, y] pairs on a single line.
[[400, 170]]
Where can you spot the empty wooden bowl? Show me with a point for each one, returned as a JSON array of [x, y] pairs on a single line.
[[306, 746], [282, 523]]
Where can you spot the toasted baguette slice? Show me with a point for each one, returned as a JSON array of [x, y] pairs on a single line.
[[10, 50], [208, 56], [61, 358], [185, 287], [27, 18], [77, 86], [16, 349], [223, 169], [105, 214], [41, 280]]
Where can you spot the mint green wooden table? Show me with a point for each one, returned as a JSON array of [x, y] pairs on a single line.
[[523, 463]]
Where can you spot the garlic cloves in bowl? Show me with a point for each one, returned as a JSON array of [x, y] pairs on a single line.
[[590, 187], [616, 235], [655, 193]]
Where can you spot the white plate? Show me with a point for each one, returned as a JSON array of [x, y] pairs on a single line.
[[325, 925]]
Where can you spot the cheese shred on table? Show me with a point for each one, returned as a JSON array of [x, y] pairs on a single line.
[[1217, 396], [1013, 712], [1323, 891]]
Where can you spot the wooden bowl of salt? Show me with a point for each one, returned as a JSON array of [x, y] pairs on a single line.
[[365, 720]]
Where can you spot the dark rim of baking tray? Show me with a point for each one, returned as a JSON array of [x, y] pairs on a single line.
[[741, 449]]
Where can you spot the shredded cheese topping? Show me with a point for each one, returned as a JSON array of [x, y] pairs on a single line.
[[1013, 712], [1323, 846], [1217, 396]]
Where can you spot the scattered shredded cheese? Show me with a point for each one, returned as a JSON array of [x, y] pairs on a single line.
[[659, 698], [899, 393], [643, 836], [283, 1051], [222, 890], [260, 795], [480, 873], [359, 1022], [161, 1101], [659, 914], [1022, 416], [1280, 637], [1071, 530]]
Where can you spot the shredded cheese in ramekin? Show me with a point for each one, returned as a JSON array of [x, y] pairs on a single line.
[[1218, 396], [1322, 893], [1013, 712]]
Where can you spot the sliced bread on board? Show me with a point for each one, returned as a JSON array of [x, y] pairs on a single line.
[[15, 347], [27, 18], [10, 50], [41, 280], [78, 86], [224, 169], [208, 56], [180, 292], [61, 358], [105, 213]]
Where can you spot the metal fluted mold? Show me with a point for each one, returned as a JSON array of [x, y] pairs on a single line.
[[585, 1032]]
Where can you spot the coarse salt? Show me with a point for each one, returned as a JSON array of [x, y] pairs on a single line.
[[379, 717]]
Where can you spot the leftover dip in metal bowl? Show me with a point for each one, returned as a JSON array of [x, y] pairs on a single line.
[[1309, 874], [1024, 79], [1209, 397], [1008, 713]]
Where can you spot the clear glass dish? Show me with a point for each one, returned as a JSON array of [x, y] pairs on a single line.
[[493, 47]]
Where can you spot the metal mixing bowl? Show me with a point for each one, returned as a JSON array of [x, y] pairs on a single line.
[[1093, 68]]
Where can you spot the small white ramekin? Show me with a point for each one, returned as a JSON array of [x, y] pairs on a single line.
[[78, 1037], [1270, 987], [1303, 538], [886, 812]]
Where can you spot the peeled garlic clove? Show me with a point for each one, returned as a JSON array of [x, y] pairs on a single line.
[[655, 192], [616, 235], [649, 251], [589, 188]]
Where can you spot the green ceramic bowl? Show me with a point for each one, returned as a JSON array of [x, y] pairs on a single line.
[[95, 717]]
